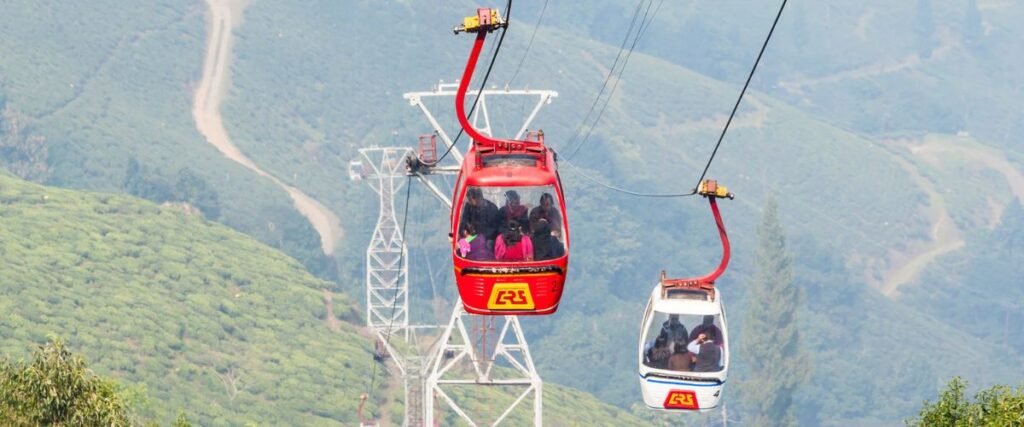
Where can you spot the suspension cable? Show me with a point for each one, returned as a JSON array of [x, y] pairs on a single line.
[[580, 172], [611, 72], [483, 84], [529, 45], [644, 25], [742, 92], [394, 303], [721, 137]]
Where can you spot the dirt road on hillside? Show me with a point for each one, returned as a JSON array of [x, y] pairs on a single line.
[[224, 16], [946, 236], [947, 42]]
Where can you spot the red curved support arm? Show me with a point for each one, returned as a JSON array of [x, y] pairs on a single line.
[[709, 279], [726, 249], [460, 96]]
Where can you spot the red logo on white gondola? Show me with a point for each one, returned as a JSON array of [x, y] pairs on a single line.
[[681, 399]]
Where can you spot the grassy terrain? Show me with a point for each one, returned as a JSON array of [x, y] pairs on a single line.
[[314, 82], [103, 83], [198, 317], [165, 300]]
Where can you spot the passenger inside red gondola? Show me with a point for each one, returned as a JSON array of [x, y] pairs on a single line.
[[514, 233], [481, 213], [473, 246], [513, 245], [546, 210], [512, 211], [545, 244]]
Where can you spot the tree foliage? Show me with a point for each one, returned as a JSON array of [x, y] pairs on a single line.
[[972, 28], [770, 336], [57, 388], [22, 152], [924, 28], [189, 188], [999, 405]]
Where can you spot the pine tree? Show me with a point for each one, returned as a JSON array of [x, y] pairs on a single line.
[[972, 28], [770, 338], [924, 29]]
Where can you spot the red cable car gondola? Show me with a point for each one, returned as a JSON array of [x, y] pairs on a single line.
[[510, 260]]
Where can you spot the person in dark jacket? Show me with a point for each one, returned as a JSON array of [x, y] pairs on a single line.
[[482, 213], [545, 246], [657, 356], [709, 359], [674, 329], [707, 327], [546, 210], [709, 354], [512, 211], [681, 359]]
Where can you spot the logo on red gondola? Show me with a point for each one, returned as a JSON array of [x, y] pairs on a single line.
[[681, 399], [510, 296]]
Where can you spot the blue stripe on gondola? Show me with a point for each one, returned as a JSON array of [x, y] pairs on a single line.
[[715, 384]]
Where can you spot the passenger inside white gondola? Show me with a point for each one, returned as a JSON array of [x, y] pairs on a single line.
[[707, 354], [674, 329], [658, 354], [668, 346], [707, 326]]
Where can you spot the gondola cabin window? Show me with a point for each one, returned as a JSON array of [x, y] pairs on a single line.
[[685, 343], [510, 224]]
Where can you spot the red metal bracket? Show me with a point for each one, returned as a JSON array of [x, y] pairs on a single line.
[[706, 282], [483, 141], [427, 149]]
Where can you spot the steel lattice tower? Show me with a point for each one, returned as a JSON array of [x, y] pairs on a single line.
[[459, 357]]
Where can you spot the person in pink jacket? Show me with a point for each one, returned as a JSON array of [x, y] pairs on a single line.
[[513, 245]]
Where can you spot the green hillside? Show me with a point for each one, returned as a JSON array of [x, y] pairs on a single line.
[[195, 316], [653, 137], [165, 300], [850, 123], [103, 83]]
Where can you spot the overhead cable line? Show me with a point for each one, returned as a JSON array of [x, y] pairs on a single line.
[[483, 84], [644, 25], [394, 303], [742, 92], [724, 129], [580, 172], [611, 72], [528, 45]]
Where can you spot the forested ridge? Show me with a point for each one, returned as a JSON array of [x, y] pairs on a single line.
[[887, 132]]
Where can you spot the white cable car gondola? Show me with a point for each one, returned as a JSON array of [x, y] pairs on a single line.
[[356, 171], [684, 342]]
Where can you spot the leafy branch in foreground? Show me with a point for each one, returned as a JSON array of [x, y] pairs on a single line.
[[999, 405], [56, 388]]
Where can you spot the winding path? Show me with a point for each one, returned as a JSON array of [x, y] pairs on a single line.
[[945, 234], [947, 42], [224, 16]]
